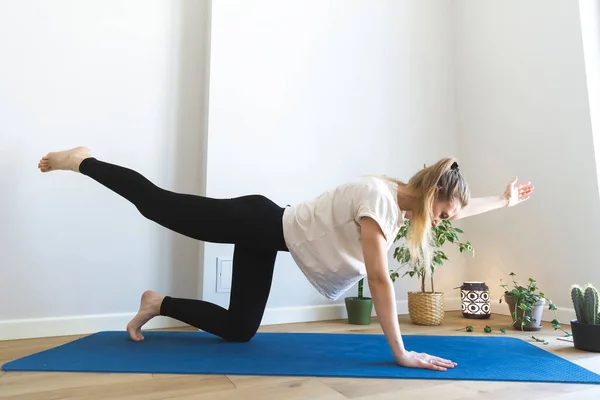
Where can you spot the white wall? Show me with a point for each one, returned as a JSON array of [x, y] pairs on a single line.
[[320, 92], [522, 109], [128, 80], [306, 95], [589, 11]]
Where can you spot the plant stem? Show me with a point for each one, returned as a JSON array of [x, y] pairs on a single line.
[[515, 316]]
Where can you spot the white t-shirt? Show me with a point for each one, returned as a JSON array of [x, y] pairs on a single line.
[[323, 234]]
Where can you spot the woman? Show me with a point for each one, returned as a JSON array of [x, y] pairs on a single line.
[[336, 239]]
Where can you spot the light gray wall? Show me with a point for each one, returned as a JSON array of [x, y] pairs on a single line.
[[128, 80], [306, 95], [523, 109], [319, 92]]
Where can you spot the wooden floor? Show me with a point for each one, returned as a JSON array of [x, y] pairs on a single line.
[[49, 386]]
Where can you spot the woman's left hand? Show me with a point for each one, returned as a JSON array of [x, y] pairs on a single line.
[[515, 194]]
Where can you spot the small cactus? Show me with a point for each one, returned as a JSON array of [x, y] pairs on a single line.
[[590, 297], [577, 297], [586, 305]]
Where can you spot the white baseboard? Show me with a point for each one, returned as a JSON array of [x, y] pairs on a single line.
[[286, 315], [74, 325], [87, 324]]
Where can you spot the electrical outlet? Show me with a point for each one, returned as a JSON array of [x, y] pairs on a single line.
[[224, 274]]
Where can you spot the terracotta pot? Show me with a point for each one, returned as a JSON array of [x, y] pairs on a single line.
[[536, 313]]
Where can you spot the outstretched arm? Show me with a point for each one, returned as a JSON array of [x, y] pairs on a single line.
[[380, 283], [384, 300], [513, 195]]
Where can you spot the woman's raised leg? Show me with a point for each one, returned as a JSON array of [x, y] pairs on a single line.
[[251, 220]]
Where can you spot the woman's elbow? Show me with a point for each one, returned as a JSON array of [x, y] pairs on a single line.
[[380, 281]]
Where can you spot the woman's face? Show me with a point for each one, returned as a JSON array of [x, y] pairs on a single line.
[[442, 210]]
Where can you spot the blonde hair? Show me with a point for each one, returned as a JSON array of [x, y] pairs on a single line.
[[441, 181]]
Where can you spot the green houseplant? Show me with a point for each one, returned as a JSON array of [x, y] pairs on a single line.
[[359, 308], [526, 305], [427, 307], [586, 328]]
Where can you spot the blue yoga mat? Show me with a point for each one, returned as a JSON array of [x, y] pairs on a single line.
[[491, 358]]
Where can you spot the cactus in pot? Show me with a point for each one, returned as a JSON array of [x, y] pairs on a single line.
[[586, 328], [577, 298], [585, 302]]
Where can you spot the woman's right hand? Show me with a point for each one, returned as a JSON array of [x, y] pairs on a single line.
[[412, 359]]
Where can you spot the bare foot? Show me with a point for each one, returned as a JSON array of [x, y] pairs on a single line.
[[149, 308], [66, 160]]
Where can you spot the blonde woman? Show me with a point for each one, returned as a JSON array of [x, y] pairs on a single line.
[[337, 238]]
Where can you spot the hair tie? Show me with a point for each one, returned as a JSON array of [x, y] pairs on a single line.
[[454, 166]]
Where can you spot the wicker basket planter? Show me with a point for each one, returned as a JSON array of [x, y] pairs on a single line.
[[426, 308]]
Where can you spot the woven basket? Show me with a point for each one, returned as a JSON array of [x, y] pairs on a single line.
[[426, 308]]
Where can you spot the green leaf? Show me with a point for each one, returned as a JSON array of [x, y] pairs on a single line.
[[539, 340], [503, 330], [441, 235], [525, 307], [469, 328]]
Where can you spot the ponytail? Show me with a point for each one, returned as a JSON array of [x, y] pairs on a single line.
[[441, 181]]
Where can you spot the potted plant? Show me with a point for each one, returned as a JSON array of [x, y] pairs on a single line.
[[586, 328], [526, 307], [427, 307], [359, 308], [524, 304]]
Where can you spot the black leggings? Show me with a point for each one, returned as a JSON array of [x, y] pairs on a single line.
[[252, 223]]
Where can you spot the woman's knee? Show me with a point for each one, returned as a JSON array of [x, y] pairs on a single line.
[[242, 337], [241, 331]]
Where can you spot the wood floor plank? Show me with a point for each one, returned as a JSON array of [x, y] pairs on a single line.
[[354, 388], [308, 389], [123, 386], [244, 382], [28, 383]]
